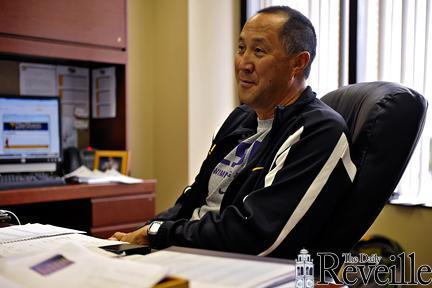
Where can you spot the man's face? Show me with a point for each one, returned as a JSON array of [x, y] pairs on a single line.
[[263, 70]]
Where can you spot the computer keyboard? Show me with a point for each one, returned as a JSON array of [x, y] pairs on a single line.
[[27, 180]]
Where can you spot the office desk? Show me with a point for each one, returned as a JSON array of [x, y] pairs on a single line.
[[100, 209], [206, 252], [206, 268]]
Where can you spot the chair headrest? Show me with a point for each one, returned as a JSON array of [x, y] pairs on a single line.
[[385, 121], [379, 113]]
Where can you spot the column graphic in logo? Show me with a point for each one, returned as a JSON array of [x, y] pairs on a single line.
[[304, 270]]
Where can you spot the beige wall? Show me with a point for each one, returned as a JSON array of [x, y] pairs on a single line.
[[410, 226], [157, 94], [171, 100], [140, 88]]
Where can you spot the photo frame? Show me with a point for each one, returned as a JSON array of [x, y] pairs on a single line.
[[111, 159]]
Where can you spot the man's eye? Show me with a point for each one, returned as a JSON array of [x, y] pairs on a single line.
[[259, 51], [240, 48]]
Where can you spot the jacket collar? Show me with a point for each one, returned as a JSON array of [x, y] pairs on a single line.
[[284, 112]]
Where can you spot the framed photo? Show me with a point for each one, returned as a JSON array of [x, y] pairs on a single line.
[[110, 159]]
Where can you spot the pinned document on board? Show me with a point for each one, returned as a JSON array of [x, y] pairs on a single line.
[[104, 93], [37, 79], [73, 88]]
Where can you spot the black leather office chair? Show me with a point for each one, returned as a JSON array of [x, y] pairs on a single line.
[[385, 121]]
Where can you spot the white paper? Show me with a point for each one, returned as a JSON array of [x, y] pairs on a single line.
[[211, 271], [73, 78], [104, 93], [42, 244], [69, 133], [38, 79], [32, 231], [79, 112], [77, 266], [81, 124], [77, 96], [5, 283], [85, 175], [73, 86]]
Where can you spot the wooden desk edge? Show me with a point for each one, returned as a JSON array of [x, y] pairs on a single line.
[[73, 192]]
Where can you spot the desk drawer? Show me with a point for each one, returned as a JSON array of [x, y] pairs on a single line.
[[109, 211]]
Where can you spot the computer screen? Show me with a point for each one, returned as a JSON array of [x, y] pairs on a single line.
[[30, 129]]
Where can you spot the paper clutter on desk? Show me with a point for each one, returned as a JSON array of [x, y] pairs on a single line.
[[85, 175], [72, 265]]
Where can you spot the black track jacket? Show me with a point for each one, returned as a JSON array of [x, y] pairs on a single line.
[[285, 194]]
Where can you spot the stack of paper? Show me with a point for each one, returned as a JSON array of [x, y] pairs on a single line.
[[72, 265], [44, 243], [85, 175], [210, 271], [32, 231]]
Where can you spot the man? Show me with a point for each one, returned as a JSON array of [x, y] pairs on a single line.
[[279, 163]]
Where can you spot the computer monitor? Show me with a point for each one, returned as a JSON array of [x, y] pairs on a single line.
[[30, 134]]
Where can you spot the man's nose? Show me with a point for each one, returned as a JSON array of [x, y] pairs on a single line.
[[245, 63]]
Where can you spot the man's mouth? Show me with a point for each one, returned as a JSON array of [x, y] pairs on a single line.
[[245, 83]]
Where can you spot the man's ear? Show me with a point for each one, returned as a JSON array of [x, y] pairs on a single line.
[[301, 61]]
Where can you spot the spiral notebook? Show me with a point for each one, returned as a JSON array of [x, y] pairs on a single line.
[[32, 231]]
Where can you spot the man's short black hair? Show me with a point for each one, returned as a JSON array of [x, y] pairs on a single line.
[[297, 33]]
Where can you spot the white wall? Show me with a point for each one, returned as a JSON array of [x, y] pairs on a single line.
[[213, 32]]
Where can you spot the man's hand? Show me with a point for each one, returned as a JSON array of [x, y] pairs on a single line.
[[136, 237]]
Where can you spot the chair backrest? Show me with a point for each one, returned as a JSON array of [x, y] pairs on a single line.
[[385, 121]]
